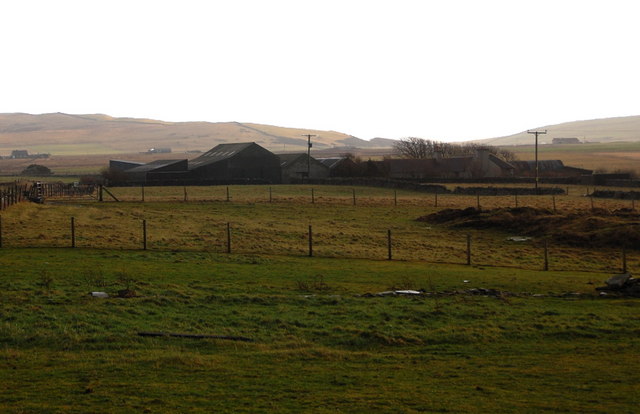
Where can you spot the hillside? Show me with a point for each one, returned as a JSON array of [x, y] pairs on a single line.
[[66, 134], [604, 130]]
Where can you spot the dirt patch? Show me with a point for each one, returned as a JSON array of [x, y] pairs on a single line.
[[597, 228]]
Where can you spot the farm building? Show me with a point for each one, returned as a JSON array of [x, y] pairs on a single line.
[[548, 168], [121, 165], [483, 165], [245, 161], [296, 167], [563, 141], [154, 171], [341, 166]]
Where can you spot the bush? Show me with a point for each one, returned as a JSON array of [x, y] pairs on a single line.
[[37, 170]]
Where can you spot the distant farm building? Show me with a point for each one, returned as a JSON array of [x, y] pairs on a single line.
[[566, 141], [24, 154], [483, 165], [548, 168], [225, 163], [159, 151], [297, 167], [341, 166], [245, 161], [155, 171]]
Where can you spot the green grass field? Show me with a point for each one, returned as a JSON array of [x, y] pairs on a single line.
[[320, 344]]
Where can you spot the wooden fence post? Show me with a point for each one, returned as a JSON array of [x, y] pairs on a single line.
[[228, 197], [313, 197], [228, 237], [270, 195], [185, 193], [100, 197], [144, 234], [468, 249], [395, 197], [624, 259], [546, 255], [389, 244], [142, 189], [435, 199], [478, 200], [310, 241], [354, 196], [73, 232]]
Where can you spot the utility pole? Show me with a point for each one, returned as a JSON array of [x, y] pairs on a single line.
[[536, 134], [309, 145]]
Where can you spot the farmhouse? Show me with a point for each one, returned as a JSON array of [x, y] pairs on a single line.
[[296, 167], [244, 162]]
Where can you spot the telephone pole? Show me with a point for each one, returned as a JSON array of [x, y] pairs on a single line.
[[536, 134], [309, 145]]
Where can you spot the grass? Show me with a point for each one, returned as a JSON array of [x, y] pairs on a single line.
[[320, 343], [326, 349]]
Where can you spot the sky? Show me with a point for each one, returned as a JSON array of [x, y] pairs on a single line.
[[444, 70]]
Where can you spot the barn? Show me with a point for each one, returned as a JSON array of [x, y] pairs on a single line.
[[240, 162], [154, 171], [296, 167]]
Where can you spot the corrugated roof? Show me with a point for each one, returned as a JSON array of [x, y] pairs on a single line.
[[154, 165], [500, 162], [218, 153], [287, 159], [330, 162]]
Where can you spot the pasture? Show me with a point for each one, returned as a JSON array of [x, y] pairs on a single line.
[[320, 343]]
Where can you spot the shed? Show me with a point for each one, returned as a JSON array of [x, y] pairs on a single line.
[[246, 161], [299, 166], [121, 165]]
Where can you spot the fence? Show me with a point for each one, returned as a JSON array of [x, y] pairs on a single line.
[[14, 193], [476, 248], [223, 220]]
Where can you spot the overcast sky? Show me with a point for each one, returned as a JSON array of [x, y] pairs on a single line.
[[445, 70]]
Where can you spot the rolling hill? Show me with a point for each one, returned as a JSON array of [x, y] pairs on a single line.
[[66, 134], [620, 129]]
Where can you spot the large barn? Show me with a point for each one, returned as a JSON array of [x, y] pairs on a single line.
[[246, 161]]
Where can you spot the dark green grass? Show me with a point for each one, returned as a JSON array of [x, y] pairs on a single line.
[[319, 345]]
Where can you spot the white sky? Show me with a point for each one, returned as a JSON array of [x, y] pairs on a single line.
[[445, 70]]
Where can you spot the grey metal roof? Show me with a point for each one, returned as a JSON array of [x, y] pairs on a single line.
[[153, 165], [330, 162], [218, 153], [500, 162], [287, 159]]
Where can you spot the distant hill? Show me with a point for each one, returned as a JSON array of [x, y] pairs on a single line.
[[66, 134], [604, 130]]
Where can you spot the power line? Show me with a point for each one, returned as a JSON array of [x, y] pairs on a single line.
[[309, 145]]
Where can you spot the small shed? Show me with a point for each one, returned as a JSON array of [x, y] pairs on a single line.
[[296, 167], [246, 161]]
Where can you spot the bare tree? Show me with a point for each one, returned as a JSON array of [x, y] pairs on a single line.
[[419, 148]]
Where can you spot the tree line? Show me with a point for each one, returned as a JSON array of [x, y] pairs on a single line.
[[420, 148]]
